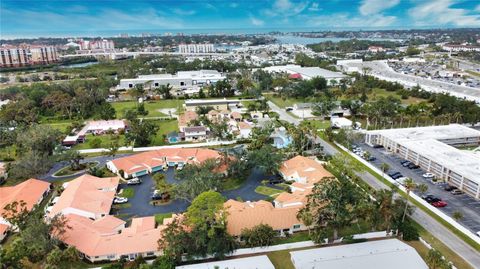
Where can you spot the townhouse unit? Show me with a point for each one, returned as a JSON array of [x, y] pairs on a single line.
[[31, 192], [246, 215], [98, 127], [85, 203], [87, 196], [153, 161], [184, 82], [217, 104], [433, 149], [305, 172]]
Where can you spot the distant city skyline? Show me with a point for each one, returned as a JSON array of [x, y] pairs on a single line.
[[30, 18]]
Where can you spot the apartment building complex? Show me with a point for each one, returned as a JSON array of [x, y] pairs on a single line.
[[434, 150], [196, 48], [11, 56], [101, 44]]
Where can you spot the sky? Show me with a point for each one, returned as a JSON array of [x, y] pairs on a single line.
[[59, 18]]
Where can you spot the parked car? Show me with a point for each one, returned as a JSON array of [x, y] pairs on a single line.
[[407, 163], [428, 175], [120, 200], [275, 181], [392, 173], [430, 198], [450, 188], [134, 181], [376, 146], [288, 108], [371, 159], [478, 233], [158, 195], [413, 166], [439, 204], [404, 161], [456, 192]]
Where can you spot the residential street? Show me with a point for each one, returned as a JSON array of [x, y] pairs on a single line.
[[429, 223]]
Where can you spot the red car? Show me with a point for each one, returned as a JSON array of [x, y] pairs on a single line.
[[439, 204]]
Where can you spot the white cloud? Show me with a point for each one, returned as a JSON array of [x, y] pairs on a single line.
[[314, 7], [440, 12], [183, 12], [342, 20], [256, 21], [233, 5], [285, 8], [371, 7], [477, 8], [104, 19]]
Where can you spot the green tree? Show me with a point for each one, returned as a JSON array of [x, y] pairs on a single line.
[[140, 132], [261, 235], [197, 178], [267, 159], [435, 260], [409, 185]]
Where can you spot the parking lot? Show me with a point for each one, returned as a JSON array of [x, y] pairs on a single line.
[[468, 206]]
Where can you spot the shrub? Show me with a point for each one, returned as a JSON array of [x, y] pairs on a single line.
[[95, 143]]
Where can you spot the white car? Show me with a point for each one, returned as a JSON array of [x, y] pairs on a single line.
[[134, 181], [428, 175], [478, 233], [120, 200]]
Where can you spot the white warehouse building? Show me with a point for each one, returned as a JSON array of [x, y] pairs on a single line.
[[187, 82], [306, 73], [433, 149]]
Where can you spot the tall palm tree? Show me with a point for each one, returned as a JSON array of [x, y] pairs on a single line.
[[409, 185], [384, 167]]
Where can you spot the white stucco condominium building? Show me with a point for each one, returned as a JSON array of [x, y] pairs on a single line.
[[433, 149]]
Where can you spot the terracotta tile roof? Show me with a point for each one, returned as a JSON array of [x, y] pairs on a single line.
[[141, 236], [236, 115], [249, 214], [3, 228], [298, 196], [30, 191], [304, 171], [147, 160], [244, 125], [87, 193], [185, 118]]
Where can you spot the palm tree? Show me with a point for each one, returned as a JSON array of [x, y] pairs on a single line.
[[457, 215], [435, 260], [409, 185], [164, 91], [423, 188], [384, 167]]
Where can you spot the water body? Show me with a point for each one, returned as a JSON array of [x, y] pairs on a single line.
[[291, 39]]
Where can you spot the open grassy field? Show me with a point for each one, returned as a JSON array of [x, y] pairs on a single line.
[[317, 124], [283, 102], [152, 107], [377, 93], [105, 141], [165, 127]]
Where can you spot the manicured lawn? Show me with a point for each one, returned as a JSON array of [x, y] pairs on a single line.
[[151, 106], [283, 102], [268, 191], [159, 217], [317, 124], [61, 126], [119, 206], [377, 93], [232, 183], [105, 141], [128, 192], [296, 237], [281, 259], [165, 127]]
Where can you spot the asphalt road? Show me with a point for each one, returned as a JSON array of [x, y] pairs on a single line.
[[430, 224], [283, 114]]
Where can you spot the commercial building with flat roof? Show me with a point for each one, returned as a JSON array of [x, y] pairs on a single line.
[[391, 254], [182, 82], [255, 262], [217, 104], [306, 73], [433, 149]]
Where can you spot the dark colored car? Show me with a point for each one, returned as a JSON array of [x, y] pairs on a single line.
[[413, 166], [404, 161], [371, 159], [391, 174], [407, 163], [396, 176], [450, 188], [377, 146], [275, 181]]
